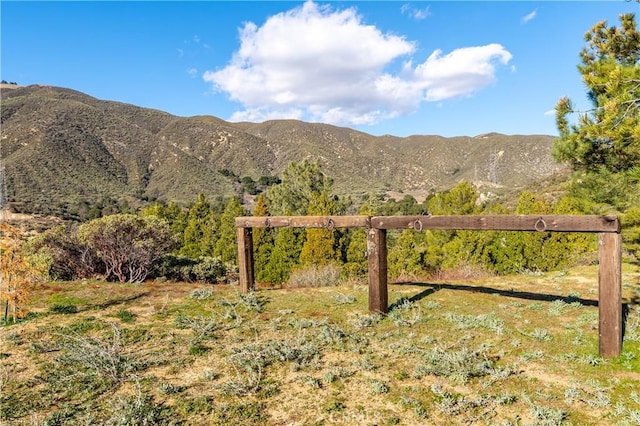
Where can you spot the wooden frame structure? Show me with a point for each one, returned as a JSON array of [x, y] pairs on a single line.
[[609, 252]]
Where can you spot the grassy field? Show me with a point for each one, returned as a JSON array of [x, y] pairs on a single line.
[[517, 350]]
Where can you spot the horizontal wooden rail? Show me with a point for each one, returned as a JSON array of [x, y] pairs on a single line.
[[555, 223], [328, 222]]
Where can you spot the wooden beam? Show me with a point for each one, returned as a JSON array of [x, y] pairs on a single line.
[[377, 250], [328, 222], [245, 259], [586, 223], [610, 294]]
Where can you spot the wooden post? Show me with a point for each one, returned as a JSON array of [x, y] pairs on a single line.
[[245, 259], [610, 294], [377, 250]]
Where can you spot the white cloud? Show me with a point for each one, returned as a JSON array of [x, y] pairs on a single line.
[[528, 17], [460, 72], [318, 64], [418, 14], [550, 112], [192, 72], [196, 39]]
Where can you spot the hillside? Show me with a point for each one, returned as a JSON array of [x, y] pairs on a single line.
[[63, 150]]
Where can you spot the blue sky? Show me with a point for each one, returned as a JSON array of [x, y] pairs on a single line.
[[383, 67]]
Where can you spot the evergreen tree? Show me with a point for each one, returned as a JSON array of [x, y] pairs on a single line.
[[356, 265], [300, 183], [442, 250], [405, 257], [320, 245], [172, 214], [263, 240], [284, 256], [226, 244], [199, 236], [603, 148]]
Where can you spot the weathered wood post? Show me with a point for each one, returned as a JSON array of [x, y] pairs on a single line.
[[245, 259], [377, 250], [610, 294]]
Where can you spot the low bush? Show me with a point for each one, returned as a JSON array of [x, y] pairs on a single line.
[[315, 276], [203, 269]]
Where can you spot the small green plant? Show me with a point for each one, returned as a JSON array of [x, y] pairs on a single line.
[[251, 413], [547, 415], [536, 306], [334, 406], [125, 315], [343, 299], [488, 321], [93, 356], [252, 302], [203, 327], [140, 409], [378, 387], [198, 348], [558, 307], [201, 293], [312, 382], [63, 308], [405, 313], [169, 388], [540, 334], [457, 365], [359, 321]]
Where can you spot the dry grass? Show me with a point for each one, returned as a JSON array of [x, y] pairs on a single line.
[[515, 350]]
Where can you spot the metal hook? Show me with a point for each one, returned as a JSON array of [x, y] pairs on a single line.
[[331, 224], [267, 223], [540, 225], [417, 225]]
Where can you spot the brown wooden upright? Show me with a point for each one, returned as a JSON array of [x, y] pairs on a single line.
[[610, 294], [377, 250], [245, 259]]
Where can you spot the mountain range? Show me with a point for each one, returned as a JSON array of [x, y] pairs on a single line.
[[62, 149]]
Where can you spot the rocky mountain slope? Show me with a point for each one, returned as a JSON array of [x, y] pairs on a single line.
[[63, 148]]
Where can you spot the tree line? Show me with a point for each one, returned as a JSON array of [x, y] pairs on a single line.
[[199, 242]]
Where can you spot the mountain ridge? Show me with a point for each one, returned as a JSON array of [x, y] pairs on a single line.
[[61, 146]]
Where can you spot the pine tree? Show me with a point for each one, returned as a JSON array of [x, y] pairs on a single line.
[[405, 256], [320, 245], [226, 245], [603, 148], [284, 256], [263, 240], [300, 182], [199, 236], [356, 265]]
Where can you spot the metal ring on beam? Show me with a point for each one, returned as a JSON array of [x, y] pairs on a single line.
[[540, 225]]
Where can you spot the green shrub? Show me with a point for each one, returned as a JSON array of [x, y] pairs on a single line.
[[125, 315], [209, 269], [63, 308], [203, 269]]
